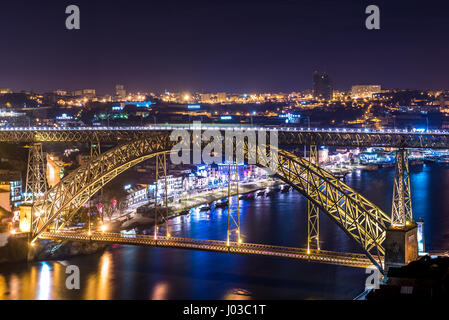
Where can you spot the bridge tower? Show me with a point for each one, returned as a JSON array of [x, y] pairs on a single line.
[[401, 212], [36, 186], [36, 181], [161, 173], [313, 217], [233, 225], [401, 244]]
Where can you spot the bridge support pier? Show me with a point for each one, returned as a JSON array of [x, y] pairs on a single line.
[[36, 185], [161, 173], [36, 180], [313, 217], [401, 212], [401, 243], [95, 151], [233, 225]]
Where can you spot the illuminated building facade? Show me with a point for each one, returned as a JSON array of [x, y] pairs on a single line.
[[10, 189], [364, 91], [120, 91]]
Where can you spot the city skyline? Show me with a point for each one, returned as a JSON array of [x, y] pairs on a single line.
[[231, 47]]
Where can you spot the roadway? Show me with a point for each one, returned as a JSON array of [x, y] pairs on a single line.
[[435, 139], [319, 256]]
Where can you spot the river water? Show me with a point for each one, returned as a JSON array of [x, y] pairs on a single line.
[[131, 272]]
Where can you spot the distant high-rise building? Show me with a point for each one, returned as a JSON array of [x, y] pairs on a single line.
[[206, 97], [90, 93], [60, 92], [322, 86], [365, 91], [221, 97], [120, 91]]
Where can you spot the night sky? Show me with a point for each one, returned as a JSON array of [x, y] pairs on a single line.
[[232, 46]]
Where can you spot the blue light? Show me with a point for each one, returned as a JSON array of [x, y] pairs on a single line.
[[226, 118], [289, 115], [142, 104], [194, 106]]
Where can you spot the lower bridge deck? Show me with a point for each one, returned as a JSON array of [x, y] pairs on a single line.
[[320, 256]]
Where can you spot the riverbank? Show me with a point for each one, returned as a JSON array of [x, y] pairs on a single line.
[[175, 210]]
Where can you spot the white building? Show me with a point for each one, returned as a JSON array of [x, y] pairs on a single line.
[[364, 91]]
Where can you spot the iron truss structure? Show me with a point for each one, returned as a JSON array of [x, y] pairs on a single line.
[[57, 205], [359, 218], [287, 136]]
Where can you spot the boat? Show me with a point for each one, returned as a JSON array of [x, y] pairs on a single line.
[[248, 196], [270, 193], [241, 292], [339, 174], [387, 164], [206, 207], [221, 203], [285, 189], [261, 193]]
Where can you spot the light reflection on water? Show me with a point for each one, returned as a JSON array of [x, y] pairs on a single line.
[[130, 272], [160, 291], [44, 284]]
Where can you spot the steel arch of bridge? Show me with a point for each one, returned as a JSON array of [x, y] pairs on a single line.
[[58, 204], [359, 218], [362, 220]]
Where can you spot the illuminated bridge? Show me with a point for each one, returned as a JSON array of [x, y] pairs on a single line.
[[320, 256], [360, 219], [435, 139]]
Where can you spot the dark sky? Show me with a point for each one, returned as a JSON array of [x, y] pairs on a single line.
[[233, 45]]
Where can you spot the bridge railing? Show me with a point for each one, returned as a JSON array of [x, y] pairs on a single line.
[[217, 244]]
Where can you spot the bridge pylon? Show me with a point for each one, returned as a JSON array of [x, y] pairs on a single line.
[[161, 173], [313, 212], [95, 151], [401, 244], [36, 180], [233, 224], [401, 212]]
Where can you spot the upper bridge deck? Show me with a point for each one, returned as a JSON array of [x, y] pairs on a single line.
[[341, 137]]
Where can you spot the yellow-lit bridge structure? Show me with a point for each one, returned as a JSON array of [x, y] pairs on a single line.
[[359, 218], [320, 256]]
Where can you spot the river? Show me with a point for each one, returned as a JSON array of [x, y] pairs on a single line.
[[131, 272]]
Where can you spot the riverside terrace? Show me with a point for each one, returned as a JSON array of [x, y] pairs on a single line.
[[399, 138]]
